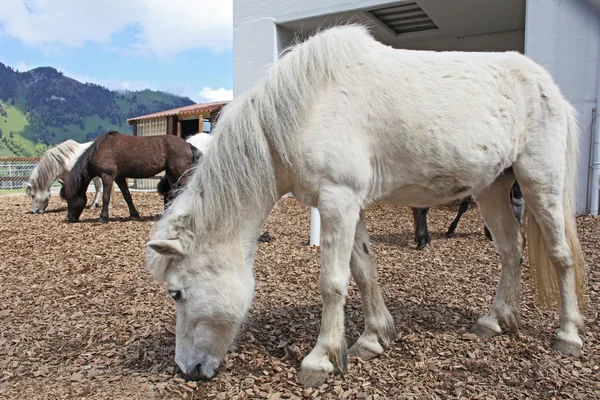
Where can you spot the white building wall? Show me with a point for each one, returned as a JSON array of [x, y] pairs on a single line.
[[564, 37], [561, 35], [257, 40]]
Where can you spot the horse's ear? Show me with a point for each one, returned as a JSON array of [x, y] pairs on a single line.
[[28, 188], [167, 247]]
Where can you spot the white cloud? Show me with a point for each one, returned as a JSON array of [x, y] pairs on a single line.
[[23, 67], [220, 94], [167, 27]]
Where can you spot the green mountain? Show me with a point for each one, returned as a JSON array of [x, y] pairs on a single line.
[[42, 107]]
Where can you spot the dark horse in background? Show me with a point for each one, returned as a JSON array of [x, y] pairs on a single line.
[[167, 190], [420, 217], [114, 157]]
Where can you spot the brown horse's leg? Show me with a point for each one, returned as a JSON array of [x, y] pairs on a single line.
[[464, 206], [107, 182], [421, 232], [122, 183]]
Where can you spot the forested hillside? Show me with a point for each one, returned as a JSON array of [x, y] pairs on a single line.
[[42, 107]]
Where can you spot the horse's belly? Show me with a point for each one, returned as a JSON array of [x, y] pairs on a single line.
[[421, 196]]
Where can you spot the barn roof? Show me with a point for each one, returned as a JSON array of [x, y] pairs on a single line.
[[191, 109]]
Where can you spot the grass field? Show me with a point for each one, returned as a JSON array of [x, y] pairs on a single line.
[[15, 121]]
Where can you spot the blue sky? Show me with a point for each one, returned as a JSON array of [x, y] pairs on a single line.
[[179, 46]]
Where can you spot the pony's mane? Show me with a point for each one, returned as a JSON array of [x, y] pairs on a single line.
[[51, 164], [258, 129], [76, 182]]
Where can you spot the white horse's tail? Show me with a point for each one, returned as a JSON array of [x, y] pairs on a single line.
[[542, 271]]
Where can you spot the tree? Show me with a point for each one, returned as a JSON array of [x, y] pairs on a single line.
[[39, 149], [11, 134]]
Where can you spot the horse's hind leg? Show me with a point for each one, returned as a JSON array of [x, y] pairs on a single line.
[[122, 183], [464, 206], [97, 186], [495, 209], [107, 182], [421, 232], [379, 324], [554, 247]]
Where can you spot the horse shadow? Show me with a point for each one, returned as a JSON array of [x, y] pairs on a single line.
[[404, 240], [147, 218], [56, 210], [288, 333]]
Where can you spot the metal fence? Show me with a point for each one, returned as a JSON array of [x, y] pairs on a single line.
[[14, 172]]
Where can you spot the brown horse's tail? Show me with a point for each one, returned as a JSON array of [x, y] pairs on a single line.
[[79, 177]]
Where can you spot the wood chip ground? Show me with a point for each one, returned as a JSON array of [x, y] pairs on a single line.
[[81, 318]]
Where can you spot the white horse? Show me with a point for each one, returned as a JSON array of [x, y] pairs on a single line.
[[201, 141], [55, 164], [343, 121]]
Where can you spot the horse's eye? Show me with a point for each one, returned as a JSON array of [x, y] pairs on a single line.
[[175, 294]]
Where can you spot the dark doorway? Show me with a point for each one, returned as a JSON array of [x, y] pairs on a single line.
[[189, 127]]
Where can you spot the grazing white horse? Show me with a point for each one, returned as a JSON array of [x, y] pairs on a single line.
[[55, 164], [343, 121]]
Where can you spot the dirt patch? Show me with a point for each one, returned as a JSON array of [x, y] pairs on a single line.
[[81, 318]]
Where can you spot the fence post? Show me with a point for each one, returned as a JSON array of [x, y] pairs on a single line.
[[10, 175]]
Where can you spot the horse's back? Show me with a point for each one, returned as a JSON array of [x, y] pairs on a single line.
[[424, 127], [139, 156]]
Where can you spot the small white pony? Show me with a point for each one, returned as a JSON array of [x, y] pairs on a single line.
[[201, 141], [343, 121], [54, 165]]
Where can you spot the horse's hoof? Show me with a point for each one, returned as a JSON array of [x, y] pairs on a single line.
[[103, 220], [568, 346], [449, 234], [485, 329], [362, 352], [135, 218], [310, 378]]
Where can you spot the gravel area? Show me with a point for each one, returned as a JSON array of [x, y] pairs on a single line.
[[81, 318]]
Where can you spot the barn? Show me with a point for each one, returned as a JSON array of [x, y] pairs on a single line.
[[183, 121], [561, 35]]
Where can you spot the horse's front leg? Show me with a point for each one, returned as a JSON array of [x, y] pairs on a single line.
[[122, 183], [379, 325], [107, 182], [339, 210], [97, 185]]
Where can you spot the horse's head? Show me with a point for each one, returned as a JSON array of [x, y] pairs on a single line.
[[39, 198], [75, 205], [212, 291]]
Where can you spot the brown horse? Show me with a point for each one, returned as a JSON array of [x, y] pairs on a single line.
[[420, 217], [115, 157]]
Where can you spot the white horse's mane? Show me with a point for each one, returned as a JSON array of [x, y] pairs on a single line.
[[52, 164], [257, 126]]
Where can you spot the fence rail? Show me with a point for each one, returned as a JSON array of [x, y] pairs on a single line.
[[14, 172]]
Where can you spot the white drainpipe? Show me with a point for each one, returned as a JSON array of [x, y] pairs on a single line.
[[315, 227], [595, 143], [595, 167]]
